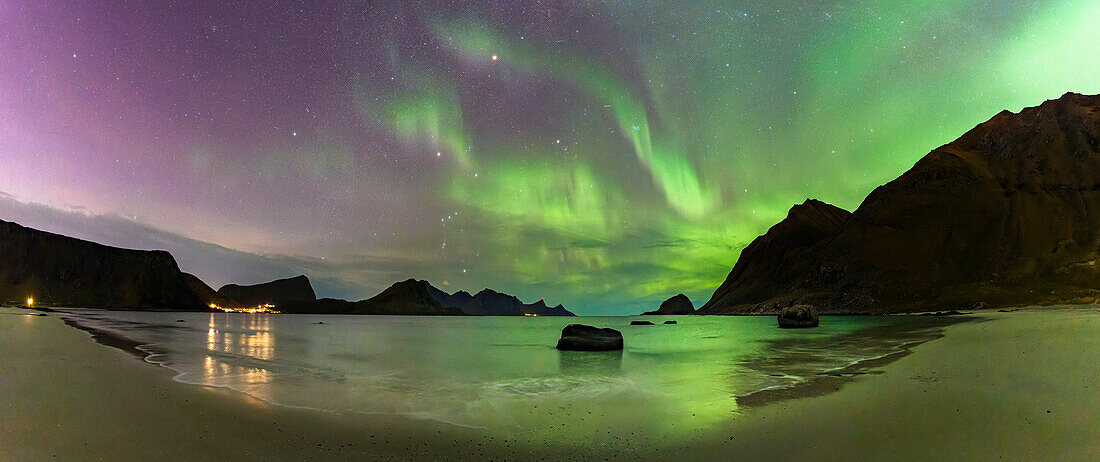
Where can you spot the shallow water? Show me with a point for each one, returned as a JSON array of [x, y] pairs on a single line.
[[503, 374]]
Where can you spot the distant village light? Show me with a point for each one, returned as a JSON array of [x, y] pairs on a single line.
[[265, 308], [30, 301]]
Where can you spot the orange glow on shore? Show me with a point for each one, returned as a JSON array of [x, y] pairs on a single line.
[[530, 314], [30, 301], [265, 308]]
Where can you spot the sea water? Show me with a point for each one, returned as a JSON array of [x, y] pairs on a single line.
[[503, 374]]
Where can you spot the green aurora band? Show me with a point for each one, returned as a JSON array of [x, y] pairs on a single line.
[[731, 118]]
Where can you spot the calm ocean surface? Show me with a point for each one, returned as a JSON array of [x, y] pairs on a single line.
[[503, 374]]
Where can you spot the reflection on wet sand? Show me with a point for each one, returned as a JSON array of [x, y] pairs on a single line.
[[808, 364]]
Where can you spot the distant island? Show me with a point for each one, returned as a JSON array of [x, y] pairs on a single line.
[[414, 296], [677, 304]]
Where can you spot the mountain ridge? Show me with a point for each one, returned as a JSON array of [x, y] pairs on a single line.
[[64, 271], [1001, 216]]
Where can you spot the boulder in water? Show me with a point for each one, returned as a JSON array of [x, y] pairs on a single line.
[[579, 337], [641, 323], [798, 316]]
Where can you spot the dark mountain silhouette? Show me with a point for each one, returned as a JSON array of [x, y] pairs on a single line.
[[64, 271], [492, 303], [208, 295], [319, 306], [409, 297], [277, 292], [455, 300], [1008, 214], [418, 297]]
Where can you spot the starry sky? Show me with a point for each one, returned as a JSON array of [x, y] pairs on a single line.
[[603, 155]]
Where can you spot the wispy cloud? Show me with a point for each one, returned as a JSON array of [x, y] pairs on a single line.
[[353, 278]]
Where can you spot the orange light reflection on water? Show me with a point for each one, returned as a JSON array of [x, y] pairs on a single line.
[[245, 346]]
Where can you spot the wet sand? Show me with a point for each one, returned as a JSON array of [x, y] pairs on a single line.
[[1015, 386], [65, 397], [1009, 386]]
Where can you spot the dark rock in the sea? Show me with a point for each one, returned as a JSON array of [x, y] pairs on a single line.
[[678, 304], [1008, 310], [63, 271], [943, 313], [641, 323], [580, 337], [798, 316], [277, 292], [318, 322], [1004, 215], [41, 314], [180, 320], [670, 322]]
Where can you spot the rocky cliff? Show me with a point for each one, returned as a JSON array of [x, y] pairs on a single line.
[[1008, 214], [64, 271]]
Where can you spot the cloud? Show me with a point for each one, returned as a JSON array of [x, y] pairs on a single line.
[[353, 278]]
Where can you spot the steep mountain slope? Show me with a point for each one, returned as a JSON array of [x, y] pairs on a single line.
[[1007, 214], [64, 271]]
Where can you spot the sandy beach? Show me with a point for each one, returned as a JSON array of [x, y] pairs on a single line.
[[1009, 386]]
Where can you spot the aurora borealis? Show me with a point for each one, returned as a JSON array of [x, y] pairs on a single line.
[[603, 155]]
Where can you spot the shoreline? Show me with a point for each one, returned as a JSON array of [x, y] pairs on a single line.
[[821, 383], [833, 380], [72, 399]]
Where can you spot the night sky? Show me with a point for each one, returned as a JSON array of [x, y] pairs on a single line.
[[604, 155]]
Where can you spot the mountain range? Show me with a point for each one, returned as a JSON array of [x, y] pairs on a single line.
[[56, 270], [414, 296]]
